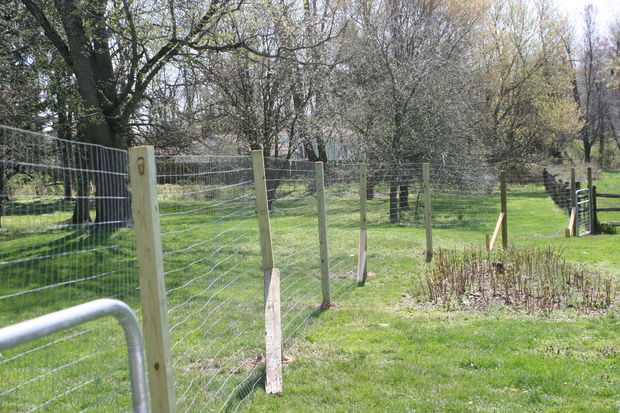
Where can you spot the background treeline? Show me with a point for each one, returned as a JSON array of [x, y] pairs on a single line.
[[390, 80]]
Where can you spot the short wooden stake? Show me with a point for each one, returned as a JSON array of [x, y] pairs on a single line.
[[320, 199], [428, 211], [273, 329], [273, 332], [361, 260], [500, 222], [362, 263], [488, 241], [142, 174], [571, 222], [504, 209]]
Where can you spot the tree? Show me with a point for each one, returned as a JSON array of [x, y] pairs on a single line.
[[526, 74], [114, 51], [405, 89]]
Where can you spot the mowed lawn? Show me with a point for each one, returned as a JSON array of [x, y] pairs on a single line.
[[381, 347], [384, 348]]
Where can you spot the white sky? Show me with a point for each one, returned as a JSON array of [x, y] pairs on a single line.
[[607, 12]]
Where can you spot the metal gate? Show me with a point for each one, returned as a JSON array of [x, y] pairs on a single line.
[[583, 225]]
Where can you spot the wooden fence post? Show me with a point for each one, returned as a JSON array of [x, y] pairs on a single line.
[[596, 228], [590, 200], [504, 209], [428, 211], [362, 263], [143, 181], [273, 329], [320, 199], [573, 200]]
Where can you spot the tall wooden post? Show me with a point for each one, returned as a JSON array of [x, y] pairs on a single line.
[[273, 329], [573, 199], [320, 199], [504, 209], [142, 175], [362, 262], [590, 200], [428, 210], [596, 228]]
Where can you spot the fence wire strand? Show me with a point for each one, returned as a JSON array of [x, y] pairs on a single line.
[[66, 239]]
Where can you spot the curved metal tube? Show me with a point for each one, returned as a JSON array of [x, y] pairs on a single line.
[[30, 330]]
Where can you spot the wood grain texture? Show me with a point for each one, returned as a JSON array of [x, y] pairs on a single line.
[[498, 226], [323, 246], [151, 272], [273, 333], [362, 258], [271, 278], [262, 208]]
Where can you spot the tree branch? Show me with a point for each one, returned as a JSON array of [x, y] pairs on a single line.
[[49, 31]]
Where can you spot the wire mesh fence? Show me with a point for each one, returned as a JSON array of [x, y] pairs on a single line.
[[59, 248], [465, 202], [538, 205], [213, 289], [214, 285], [67, 238]]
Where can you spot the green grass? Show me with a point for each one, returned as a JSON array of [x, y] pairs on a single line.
[[385, 349], [379, 349]]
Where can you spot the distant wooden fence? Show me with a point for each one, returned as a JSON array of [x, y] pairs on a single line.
[[596, 210], [560, 192]]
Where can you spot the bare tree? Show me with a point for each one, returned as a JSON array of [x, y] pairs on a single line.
[[114, 51]]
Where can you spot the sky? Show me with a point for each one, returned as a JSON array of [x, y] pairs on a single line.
[[607, 12]]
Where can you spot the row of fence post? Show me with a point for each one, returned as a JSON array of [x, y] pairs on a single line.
[[573, 227], [150, 258], [142, 171]]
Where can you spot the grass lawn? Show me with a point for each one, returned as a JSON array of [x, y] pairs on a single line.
[[382, 347], [385, 349]]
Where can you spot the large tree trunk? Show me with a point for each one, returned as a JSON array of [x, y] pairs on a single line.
[[587, 149], [403, 197], [112, 201], [3, 194], [92, 65], [393, 201], [601, 147], [370, 189], [81, 210], [64, 132]]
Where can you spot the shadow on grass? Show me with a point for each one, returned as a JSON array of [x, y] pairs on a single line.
[[42, 269], [37, 207], [257, 378]]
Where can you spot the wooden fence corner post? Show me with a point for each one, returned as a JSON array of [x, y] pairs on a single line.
[[362, 260], [596, 228], [428, 210], [504, 208], [590, 210], [145, 211], [320, 199], [273, 329]]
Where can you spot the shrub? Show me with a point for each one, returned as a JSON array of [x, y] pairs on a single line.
[[527, 278]]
